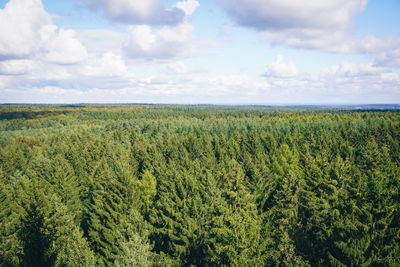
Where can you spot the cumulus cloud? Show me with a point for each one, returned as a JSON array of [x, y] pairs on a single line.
[[166, 42], [20, 21], [323, 25], [41, 63], [26, 31], [280, 69], [287, 14], [149, 12], [109, 65], [16, 67], [61, 47], [152, 32]]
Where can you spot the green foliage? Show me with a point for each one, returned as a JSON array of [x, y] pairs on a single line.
[[35, 241], [142, 185], [69, 247], [147, 188], [136, 249]]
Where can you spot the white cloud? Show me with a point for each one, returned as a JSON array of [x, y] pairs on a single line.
[[344, 83], [362, 81], [347, 69], [280, 69], [188, 7], [333, 41], [151, 12], [166, 42], [104, 72], [24, 72], [324, 25], [181, 68], [109, 65], [46, 72], [5, 82], [20, 21], [54, 90], [26, 31], [61, 47], [177, 67], [390, 77], [16, 67], [149, 36], [390, 58], [288, 14]]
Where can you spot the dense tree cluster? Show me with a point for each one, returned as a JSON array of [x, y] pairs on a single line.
[[198, 186]]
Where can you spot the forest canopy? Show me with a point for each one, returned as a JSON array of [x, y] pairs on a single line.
[[150, 185]]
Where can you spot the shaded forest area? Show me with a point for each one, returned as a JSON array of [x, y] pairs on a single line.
[[149, 185]]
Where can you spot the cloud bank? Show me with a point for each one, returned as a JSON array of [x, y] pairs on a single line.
[[152, 55], [283, 82], [322, 25]]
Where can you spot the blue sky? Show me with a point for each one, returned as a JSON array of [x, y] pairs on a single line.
[[200, 51]]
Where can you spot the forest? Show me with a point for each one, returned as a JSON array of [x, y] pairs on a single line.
[[171, 185]]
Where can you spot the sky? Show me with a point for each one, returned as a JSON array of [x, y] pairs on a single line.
[[200, 51]]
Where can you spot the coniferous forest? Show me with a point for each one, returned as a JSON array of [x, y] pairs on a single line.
[[158, 185]]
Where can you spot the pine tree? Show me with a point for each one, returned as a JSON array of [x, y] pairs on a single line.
[[111, 197], [36, 242], [284, 206], [136, 249], [234, 228], [10, 213], [68, 245]]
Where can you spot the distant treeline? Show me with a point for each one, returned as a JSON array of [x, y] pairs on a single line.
[[170, 185]]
